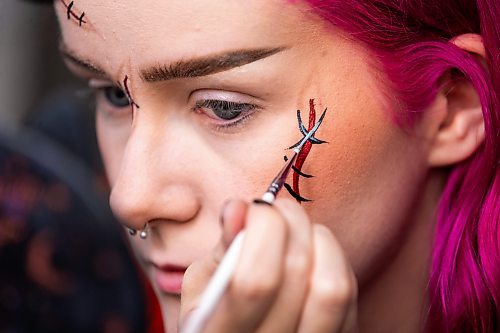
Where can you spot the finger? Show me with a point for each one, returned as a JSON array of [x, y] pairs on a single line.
[[258, 276], [350, 324], [333, 290], [199, 273], [285, 313], [232, 220], [233, 216]]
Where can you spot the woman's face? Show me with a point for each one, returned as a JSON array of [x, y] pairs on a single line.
[[221, 131]]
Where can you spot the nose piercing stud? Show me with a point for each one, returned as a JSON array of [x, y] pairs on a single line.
[[143, 233]]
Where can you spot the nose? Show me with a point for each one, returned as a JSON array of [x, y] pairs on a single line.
[[155, 181]]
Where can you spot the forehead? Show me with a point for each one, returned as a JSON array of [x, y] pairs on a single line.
[[144, 30]]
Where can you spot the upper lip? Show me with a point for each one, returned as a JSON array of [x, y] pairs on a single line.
[[168, 267]]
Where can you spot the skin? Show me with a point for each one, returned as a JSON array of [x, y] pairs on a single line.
[[354, 257]]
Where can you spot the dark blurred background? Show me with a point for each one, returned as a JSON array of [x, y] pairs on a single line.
[[64, 263]]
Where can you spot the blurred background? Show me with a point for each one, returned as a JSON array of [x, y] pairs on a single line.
[[64, 262]]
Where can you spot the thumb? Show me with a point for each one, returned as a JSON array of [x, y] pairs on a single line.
[[199, 273]]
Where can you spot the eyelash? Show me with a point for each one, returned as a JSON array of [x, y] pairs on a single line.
[[246, 111]]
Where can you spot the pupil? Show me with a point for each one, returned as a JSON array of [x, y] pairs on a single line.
[[116, 97], [229, 111], [227, 114]]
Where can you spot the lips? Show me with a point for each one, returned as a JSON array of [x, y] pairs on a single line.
[[168, 278]]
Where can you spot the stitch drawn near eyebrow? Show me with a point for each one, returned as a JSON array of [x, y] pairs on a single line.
[[70, 13], [127, 91], [304, 153]]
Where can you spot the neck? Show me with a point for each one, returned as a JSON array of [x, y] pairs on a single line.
[[396, 299]]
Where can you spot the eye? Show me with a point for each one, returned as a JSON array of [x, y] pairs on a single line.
[[223, 110], [115, 97]]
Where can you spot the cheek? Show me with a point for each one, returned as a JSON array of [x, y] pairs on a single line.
[[367, 177], [112, 141], [362, 189]]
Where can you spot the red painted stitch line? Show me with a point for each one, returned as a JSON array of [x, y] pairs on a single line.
[[70, 11], [305, 150]]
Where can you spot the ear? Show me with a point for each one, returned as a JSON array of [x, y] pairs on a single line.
[[460, 129]]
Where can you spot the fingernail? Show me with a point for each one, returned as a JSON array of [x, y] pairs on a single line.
[[262, 202]]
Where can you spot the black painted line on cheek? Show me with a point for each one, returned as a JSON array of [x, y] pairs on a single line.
[[295, 195], [305, 175]]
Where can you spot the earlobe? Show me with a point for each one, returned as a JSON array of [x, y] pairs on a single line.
[[461, 131]]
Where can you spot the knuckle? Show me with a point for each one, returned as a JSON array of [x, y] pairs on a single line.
[[330, 293]]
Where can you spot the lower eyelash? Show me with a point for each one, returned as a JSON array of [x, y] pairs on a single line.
[[238, 123]]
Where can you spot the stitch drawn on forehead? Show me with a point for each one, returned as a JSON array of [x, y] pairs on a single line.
[[71, 14], [304, 153]]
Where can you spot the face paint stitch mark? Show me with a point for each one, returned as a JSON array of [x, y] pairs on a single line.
[[127, 91], [70, 13], [80, 19], [303, 129], [305, 175], [297, 168], [295, 195]]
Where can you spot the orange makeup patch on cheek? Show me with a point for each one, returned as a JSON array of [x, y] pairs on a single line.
[[360, 134]]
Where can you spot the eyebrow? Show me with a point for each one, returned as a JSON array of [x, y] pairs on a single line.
[[87, 65], [207, 65], [189, 68]]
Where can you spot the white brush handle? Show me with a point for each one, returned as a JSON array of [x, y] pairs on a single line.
[[216, 287]]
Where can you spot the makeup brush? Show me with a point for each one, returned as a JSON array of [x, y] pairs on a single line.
[[220, 280]]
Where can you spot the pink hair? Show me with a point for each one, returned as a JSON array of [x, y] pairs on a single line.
[[410, 40]]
